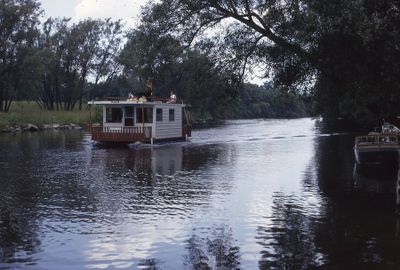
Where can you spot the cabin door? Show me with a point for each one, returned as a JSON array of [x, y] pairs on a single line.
[[129, 117]]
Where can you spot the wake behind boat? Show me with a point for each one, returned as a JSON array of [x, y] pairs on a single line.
[[378, 148]]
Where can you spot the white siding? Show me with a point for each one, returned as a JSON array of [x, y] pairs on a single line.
[[169, 129], [164, 129]]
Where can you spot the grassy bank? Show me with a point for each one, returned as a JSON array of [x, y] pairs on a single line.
[[24, 112], [28, 112]]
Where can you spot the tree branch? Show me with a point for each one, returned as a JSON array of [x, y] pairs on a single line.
[[264, 30], [247, 56]]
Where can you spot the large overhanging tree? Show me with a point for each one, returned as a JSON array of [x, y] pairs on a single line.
[[343, 53]]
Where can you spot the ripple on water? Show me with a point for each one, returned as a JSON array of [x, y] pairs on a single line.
[[248, 194]]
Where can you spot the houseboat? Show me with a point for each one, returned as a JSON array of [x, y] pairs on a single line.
[[140, 120], [378, 148]]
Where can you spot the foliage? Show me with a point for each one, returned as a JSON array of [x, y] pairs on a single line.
[[189, 72], [342, 54], [53, 62], [18, 22], [59, 64], [97, 114], [69, 55], [266, 102], [147, 55], [209, 89]]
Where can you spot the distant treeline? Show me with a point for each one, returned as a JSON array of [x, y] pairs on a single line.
[[267, 102]]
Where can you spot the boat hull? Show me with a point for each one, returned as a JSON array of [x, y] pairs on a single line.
[[377, 156]]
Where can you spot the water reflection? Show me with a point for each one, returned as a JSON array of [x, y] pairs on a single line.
[[289, 241], [216, 251], [250, 194], [18, 234], [149, 264], [22, 192], [343, 219], [376, 180], [67, 189], [357, 229]]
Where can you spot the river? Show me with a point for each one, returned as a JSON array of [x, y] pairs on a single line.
[[248, 194]]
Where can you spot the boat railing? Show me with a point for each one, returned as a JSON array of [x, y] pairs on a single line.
[[377, 139], [121, 134], [120, 129], [387, 139], [142, 99]]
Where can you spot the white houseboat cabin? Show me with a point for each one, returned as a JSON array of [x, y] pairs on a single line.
[[128, 121]]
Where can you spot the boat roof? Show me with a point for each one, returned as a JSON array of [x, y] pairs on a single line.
[[129, 102]]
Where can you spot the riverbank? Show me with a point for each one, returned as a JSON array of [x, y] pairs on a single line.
[[27, 116]]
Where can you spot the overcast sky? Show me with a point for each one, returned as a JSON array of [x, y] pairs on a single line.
[[127, 10]]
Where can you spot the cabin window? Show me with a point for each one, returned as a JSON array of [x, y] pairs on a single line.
[[171, 115], [159, 115], [388, 139], [113, 115], [366, 140], [129, 116], [147, 113]]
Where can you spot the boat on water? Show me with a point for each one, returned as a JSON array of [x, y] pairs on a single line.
[[141, 120], [378, 148]]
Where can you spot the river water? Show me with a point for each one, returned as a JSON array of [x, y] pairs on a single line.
[[249, 194]]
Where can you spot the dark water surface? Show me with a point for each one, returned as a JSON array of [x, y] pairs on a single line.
[[258, 194]]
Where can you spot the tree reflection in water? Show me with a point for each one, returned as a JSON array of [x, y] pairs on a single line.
[[18, 235], [351, 226], [217, 251], [26, 194], [289, 240], [58, 189], [358, 228], [149, 264]]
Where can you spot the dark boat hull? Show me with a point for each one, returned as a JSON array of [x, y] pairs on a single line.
[[377, 157]]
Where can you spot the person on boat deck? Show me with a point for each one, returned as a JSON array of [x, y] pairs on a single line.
[[148, 93], [172, 97], [149, 88]]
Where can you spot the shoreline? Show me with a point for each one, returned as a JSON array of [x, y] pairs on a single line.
[[36, 128]]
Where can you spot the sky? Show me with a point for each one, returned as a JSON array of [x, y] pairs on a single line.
[[127, 10]]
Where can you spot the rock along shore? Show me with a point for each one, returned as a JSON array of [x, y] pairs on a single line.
[[34, 128]]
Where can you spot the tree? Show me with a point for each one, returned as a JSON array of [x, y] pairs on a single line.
[[68, 56], [18, 31], [188, 71], [343, 54], [98, 45], [147, 55]]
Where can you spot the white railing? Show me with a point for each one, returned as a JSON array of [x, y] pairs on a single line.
[[121, 132]]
